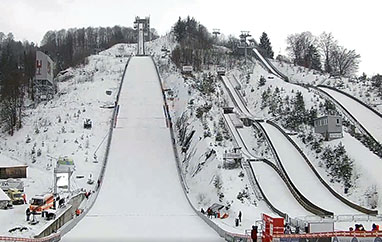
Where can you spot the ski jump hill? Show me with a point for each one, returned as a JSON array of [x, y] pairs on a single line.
[[141, 198]]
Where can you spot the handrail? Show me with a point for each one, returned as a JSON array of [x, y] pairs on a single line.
[[338, 196]]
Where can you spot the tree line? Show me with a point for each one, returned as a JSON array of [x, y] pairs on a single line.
[[70, 47], [322, 53], [194, 44], [17, 68]]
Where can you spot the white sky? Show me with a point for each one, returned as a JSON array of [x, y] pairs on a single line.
[[355, 24]]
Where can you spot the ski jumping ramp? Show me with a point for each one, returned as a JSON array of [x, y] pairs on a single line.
[[370, 120], [141, 198]]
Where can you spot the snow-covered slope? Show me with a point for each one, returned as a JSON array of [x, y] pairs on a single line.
[[141, 197], [55, 128]]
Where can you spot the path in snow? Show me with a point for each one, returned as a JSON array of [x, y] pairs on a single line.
[[302, 175], [371, 121], [141, 198]]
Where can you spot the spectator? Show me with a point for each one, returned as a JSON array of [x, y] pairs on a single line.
[[24, 198], [209, 213], [374, 227], [254, 233], [240, 216], [28, 213]]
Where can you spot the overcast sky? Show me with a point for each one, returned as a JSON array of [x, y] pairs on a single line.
[[355, 24]]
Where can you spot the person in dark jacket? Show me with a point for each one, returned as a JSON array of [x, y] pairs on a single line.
[[28, 213], [240, 216], [254, 233]]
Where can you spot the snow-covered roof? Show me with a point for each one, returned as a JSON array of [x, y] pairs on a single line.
[[3, 196], [11, 166]]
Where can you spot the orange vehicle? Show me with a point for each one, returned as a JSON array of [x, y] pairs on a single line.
[[41, 203]]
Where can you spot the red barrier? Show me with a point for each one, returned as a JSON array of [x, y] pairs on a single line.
[[365, 234], [53, 237], [272, 227]]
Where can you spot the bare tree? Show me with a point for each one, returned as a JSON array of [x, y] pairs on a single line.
[[303, 51], [298, 47], [327, 44], [345, 62]]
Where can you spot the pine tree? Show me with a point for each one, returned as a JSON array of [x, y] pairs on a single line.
[[265, 46]]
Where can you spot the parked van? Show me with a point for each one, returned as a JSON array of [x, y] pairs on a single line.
[[40, 203]]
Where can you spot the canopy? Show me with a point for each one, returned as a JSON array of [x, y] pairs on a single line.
[[3, 196]]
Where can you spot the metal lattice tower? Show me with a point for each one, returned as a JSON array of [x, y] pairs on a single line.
[[243, 43]]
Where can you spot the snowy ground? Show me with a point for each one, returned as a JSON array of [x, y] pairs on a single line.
[[55, 128], [141, 197], [196, 169]]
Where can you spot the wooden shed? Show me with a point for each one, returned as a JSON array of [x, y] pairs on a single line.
[[13, 171]]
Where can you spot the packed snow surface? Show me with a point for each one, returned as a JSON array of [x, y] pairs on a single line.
[[277, 191], [302, 175], [371, 121], [141, 197]]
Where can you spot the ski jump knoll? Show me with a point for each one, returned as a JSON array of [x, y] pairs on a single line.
[[141, 197]]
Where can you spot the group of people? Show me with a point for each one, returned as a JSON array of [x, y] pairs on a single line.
[[211, 214], [359, 227]]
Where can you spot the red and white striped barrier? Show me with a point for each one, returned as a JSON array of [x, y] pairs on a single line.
[[366, 234], [53, 237]]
